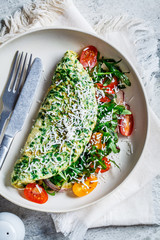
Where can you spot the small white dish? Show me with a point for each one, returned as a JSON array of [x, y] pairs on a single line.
[[50, 44], [11, 227]]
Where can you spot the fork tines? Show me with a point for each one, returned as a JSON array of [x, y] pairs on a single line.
[[17, 76]]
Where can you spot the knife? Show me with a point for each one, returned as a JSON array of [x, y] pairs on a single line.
[[22, 108]]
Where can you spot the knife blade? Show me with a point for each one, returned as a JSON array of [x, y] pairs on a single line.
[[22, 108]]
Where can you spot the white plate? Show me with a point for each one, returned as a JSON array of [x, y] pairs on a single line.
[[50, 45]]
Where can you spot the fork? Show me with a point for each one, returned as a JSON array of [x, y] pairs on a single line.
[[13, 86]]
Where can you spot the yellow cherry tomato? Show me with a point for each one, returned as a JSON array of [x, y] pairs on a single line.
[[80, 189], [96, 140]]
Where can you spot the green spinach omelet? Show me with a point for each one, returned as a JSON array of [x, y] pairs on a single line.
[[63, 127]]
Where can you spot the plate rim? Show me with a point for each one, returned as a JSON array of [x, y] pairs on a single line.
[[30, 31]]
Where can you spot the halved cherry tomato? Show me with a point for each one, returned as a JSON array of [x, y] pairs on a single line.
[[80, 189], [104, 99], [88, 57], [107, 89], [113, 83], [99, 85], [96, 139], [107, 163], [35, 193], [126, 125]]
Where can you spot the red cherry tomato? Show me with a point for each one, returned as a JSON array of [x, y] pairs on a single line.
[[35, 193], [109, 90], [99, 85], [113, 83], [88, 57], [126, 125], [107, 163], [104, 99]]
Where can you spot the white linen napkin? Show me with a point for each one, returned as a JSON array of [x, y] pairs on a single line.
[[132, 202]]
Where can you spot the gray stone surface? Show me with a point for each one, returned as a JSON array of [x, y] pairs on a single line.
[[39, 225]]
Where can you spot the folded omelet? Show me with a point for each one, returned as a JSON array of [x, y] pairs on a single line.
[[63, 127]]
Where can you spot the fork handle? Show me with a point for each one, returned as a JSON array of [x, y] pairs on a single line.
[[3, 118], [4, 147]]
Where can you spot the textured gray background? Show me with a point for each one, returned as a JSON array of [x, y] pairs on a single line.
[[39, 225]]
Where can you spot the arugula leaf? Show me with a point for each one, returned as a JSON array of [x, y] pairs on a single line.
[[126, 112], [113, 147], [102, 163], [98, 56], [116, 71], [114, 163], [51, 193]]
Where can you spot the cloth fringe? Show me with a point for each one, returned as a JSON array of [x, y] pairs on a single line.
[[79, 232], [142, 35], [31, 15], [79, 228]]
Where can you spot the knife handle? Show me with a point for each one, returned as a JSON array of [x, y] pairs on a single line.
[[4, 147]]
